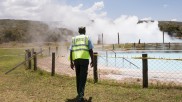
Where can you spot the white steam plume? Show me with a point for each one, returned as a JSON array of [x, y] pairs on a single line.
[[94, 18]]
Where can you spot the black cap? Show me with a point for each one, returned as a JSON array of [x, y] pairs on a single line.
[[82, 30]]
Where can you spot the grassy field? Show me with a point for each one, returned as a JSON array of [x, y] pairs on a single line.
[[22, 85]]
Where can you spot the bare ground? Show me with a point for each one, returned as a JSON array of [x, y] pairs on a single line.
[[62, 67]]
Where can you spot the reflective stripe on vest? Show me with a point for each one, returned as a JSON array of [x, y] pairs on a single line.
[[80, 47]]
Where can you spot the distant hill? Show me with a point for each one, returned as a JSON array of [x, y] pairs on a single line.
[[36, 31], [31, 31]]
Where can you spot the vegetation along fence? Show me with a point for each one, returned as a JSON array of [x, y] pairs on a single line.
[[141, 46]]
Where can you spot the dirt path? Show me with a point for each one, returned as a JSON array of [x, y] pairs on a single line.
[[62, 67]]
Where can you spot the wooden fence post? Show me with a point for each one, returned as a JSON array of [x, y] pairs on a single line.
[[145, 70], [106, 58], [32, 51], [95, 68], [29, 61], [53, 64], [113, 47], [41, 51], [144, 46], [57, 50], [26, 57], [118, 39], [102, 41], [169, 45], [35, 61], [49, 51]]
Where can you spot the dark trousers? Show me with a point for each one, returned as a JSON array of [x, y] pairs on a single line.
[[81, 66]]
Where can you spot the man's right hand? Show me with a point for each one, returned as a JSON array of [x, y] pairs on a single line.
[[72, 65]]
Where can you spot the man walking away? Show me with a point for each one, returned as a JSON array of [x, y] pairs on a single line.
[[80, 52]]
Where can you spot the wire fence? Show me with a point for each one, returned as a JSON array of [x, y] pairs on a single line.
[[121, 66], [162, 67], [127, 67]]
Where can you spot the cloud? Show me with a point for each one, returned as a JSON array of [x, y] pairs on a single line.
[[22, 9], [97, 6], [94, 18], [174, 19], [148, 18]]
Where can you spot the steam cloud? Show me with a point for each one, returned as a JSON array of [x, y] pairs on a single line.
[[94, 18]]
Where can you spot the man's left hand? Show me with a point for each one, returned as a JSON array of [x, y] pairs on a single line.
[[91, 64]]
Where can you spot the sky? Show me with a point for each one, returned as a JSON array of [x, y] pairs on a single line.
[[153, 9], [107, 17]]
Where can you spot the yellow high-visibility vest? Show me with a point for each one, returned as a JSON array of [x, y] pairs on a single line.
[[80, 48]]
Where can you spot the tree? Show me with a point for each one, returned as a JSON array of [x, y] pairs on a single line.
[[172, 28]]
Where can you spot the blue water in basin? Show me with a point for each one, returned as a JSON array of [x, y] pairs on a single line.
[[165, 61]]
